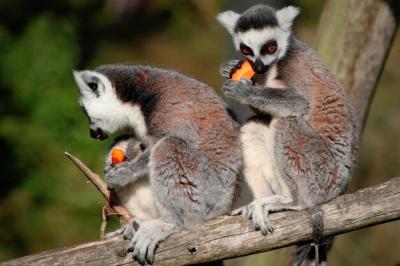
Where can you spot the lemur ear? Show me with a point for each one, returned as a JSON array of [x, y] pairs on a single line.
[[83, 88], [286, 16], [85, 84], [89, 82], [228, 19]]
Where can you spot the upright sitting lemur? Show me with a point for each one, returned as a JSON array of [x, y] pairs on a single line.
[[194, 157], [300, 148]]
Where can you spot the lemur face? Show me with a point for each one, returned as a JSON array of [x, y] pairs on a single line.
[[260, 33], [105, 111]]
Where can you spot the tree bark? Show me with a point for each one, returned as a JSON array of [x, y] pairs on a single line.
[[354, 39], [228, 237]]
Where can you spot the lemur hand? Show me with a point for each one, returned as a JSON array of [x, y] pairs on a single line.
[[228, 68], [119, 176], [237, 90]]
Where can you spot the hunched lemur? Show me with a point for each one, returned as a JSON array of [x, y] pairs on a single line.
[[194, 161], [300, 148]]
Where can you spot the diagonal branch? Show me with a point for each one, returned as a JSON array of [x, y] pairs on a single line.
[[114, 206]]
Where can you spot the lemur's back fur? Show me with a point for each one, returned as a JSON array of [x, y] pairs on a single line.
[[330, 115], [177, 105]]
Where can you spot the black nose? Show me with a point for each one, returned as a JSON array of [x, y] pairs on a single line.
[[98, 133], [259, 67]]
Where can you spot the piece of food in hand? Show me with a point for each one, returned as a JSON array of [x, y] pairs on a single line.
[[117, 155], [244, 71]]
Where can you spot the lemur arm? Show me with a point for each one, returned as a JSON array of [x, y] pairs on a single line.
[[280, 102], [128, 172]]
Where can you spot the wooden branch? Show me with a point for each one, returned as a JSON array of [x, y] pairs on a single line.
[[114, 206], [354, 39], [93, 178], [228, 237]]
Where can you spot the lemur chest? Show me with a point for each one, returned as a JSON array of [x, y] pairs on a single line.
[[271, 79], [138, 199], [261, 169]]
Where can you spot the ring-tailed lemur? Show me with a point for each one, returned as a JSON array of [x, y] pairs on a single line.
[[300, 148], [195, 159]]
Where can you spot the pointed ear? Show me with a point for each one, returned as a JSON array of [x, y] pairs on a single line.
[[228, 19], [80, 81], [286, 16]]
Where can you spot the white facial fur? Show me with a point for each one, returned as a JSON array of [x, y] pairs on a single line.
[[256, 38], [106, 111]]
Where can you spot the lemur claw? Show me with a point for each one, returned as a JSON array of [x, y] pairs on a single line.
[[259, 216], [228, 68], [146, 239]]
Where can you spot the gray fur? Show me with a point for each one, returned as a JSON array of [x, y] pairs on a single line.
[[310, 131], [194, 159]]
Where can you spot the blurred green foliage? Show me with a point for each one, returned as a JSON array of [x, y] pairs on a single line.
[[44, 201]]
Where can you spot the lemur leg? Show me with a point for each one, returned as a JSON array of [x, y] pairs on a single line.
[[307, 160], [128, 172], [187, 191], [269, 189], [278, 102]]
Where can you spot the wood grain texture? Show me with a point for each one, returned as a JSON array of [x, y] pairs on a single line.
[[228, 237], [354, 39]]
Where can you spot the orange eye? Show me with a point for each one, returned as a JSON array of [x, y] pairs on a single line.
[[271, 49], [245, 49]]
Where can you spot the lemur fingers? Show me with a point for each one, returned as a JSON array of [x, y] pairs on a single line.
[[123, 174], [228, 68], [258, 214], [147, 237], [119, 176], [260, 219], [259, 210], [237, 90]]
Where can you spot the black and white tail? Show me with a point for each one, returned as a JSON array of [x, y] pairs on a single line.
[[314, 253]]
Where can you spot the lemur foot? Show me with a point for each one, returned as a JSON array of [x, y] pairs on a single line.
[[258, 212], [147, 237], [228, 68], [237, 90]]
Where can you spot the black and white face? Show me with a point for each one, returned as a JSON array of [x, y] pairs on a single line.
[[105, 111], [262, 47], [267, 40]]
